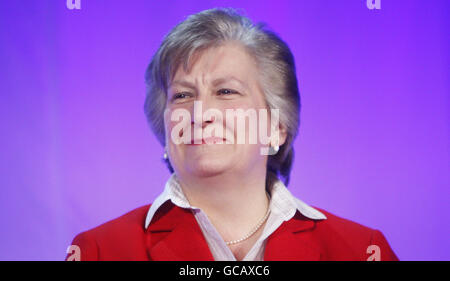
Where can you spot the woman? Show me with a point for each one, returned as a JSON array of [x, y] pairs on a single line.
[[225, 199]]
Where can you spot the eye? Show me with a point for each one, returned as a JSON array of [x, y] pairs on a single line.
[[180, 96], [226, 92]]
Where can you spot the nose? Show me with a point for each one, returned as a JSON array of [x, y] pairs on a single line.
[[204, 113], [204, 123], [201, 105]]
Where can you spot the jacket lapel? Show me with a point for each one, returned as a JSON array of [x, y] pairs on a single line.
[[174, 234], [294, 241]]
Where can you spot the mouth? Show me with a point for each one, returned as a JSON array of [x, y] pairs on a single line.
[[208, 140]]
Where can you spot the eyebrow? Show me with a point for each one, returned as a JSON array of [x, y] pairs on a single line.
[[215, 82]]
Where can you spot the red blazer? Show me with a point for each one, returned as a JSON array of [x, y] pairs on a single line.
[[175, 235]]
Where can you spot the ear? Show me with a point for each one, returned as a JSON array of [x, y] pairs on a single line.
[[282, 135]]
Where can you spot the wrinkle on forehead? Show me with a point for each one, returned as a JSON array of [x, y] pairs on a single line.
[[218, 60]]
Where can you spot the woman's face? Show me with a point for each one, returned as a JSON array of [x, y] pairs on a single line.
[[220, 78]]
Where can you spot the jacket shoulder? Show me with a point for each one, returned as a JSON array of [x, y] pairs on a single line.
[[341, 235], [121, 234], [134, 218], [338, 224]]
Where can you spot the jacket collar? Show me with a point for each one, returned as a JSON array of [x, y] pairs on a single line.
[[175, 235], [293, 241]]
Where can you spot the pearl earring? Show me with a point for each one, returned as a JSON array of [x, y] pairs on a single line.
[[165, 156], [273, 149]]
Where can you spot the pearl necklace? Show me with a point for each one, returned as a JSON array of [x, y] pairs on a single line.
[[252, 231]]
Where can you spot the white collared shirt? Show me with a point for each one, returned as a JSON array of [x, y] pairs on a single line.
[[283, 206]]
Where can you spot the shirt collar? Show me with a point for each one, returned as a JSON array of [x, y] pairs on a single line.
[[282, 202]]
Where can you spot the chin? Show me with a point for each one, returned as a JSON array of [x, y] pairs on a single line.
[[209, 167]]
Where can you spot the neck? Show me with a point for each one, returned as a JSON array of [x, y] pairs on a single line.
[[233, 202]]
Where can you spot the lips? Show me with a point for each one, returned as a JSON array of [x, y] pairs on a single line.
[[208, 140]]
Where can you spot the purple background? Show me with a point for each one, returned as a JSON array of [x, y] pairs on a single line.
[[76, 150]]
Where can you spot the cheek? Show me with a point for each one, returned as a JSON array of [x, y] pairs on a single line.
[[251, 128], [168, 127], [176, 123]]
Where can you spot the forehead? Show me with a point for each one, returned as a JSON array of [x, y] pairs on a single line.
[[227, 60]]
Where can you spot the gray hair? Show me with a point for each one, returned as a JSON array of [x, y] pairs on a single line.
[[275, 61]]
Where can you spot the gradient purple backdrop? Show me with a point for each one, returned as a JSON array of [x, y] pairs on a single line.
[[76, 150]]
